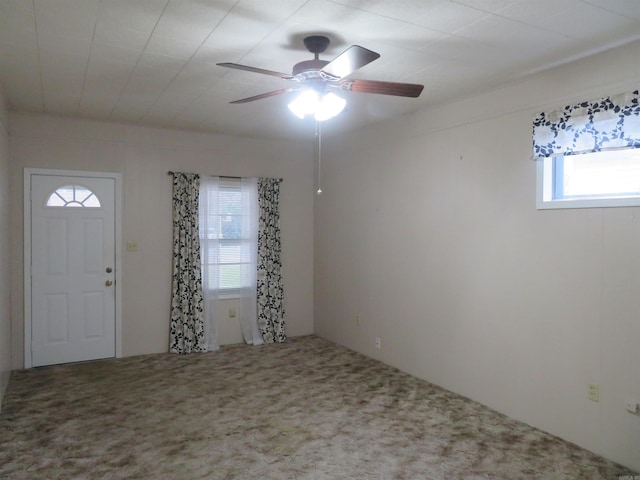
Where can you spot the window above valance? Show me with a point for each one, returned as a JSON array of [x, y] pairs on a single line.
[[610, 123]]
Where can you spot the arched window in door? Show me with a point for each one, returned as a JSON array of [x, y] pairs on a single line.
[[73, 196]]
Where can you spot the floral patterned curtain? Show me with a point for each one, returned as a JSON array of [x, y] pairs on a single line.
[[187, 329], [606, 124], [270, 290]]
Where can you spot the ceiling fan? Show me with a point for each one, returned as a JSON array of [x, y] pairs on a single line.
[[325, 76]]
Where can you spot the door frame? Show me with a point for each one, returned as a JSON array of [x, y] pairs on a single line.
[[28, 173]]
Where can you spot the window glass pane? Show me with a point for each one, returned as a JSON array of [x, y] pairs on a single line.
[[229, 253], [235, 251], [230, 212], [230, 276], [80, 193], [55, 201], [615, 173], [91, 201], [87, 199], [73, 196], [225, 237], [66, 193], [208, 271], [213, 227]]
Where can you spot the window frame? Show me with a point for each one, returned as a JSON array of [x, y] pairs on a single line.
[[234, 292], [548, 197]]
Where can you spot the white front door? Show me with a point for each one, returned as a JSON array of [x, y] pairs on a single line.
[[73, 313]]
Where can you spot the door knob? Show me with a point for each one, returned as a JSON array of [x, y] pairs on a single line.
[[109, 270], [108, 283]]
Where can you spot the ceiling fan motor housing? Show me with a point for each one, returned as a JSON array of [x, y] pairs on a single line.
[[309, 66], [316, 44]]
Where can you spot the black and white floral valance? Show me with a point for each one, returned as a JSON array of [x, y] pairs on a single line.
[[611, 123]]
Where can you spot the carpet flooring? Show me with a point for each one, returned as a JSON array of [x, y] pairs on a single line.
[[306, 409]]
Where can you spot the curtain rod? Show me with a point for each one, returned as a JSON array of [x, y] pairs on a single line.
[[171, 172], [219, 176]]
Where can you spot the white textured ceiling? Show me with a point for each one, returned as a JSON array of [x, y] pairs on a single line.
[[154, 61]]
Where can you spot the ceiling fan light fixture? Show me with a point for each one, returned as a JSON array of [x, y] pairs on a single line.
[[330, 106], [305, 104], [322, 107]]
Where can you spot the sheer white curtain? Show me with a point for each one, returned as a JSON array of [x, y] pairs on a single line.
[[247, 302], [229, 245], [210, 254]]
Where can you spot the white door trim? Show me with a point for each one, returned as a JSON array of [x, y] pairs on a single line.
[[28, 172]]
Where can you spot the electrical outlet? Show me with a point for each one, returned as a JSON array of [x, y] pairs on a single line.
[[593, 392], [132, 246], [378, 343]]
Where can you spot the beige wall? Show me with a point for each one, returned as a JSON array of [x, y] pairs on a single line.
[[5, 309], [143, 156], [428, 230]]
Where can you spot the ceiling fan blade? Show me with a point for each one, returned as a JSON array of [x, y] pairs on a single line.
[[347, 62], [265, 95], [383, 88], [237, 66]]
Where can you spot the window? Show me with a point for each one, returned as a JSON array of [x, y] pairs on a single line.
[[73, 196], [589, 153], [228, 233], [596, 179]]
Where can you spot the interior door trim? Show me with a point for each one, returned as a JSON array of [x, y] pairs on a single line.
[[28, 173]]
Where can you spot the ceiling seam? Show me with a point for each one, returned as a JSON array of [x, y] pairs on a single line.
[[138, 60], [144, 115], [389, 17], [225, 73], [86, 67], [35, 22], [601, 7]]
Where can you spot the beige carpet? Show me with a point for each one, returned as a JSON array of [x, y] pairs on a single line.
[[306, 409]]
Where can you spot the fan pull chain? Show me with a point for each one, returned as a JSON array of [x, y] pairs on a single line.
[[319, 156]]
